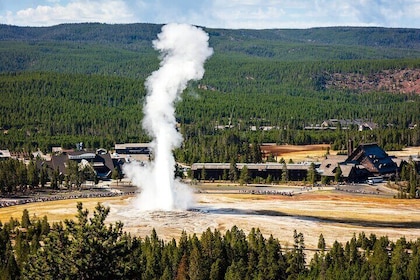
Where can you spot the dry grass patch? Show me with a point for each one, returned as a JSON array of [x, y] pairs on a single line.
[[55, 210], [296, 153]]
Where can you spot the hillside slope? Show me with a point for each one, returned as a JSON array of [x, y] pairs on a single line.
[[85, 82]]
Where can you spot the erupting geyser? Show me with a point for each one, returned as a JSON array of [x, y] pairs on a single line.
[[184, 49]]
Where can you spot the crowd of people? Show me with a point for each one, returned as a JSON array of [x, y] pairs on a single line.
[[12, 201], [356, 191], [268, 192]]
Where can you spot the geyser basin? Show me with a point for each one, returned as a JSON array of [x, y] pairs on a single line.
[[278, 216], [184, 49]]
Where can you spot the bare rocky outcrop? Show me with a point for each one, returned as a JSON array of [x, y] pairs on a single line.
[[406, 81]]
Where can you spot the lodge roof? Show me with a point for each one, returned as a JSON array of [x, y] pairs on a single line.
[[131, 145], [373, 158], [330, 163], [102, 163], [251, 166]]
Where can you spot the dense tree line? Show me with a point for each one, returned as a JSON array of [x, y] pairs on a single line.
[[409, 180], [16, 177], [41, 110], [88, 248], [44, 110]]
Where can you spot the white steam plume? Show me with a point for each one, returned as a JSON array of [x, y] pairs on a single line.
[[184, 49]]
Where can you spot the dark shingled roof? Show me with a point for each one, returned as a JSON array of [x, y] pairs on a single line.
[[102, 163], [373, 158]]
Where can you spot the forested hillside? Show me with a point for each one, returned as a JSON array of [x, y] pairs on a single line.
[[84, 82]]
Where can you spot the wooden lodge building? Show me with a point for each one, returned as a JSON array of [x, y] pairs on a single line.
[[132, 151], [100, 161], [367, 160], [217, 171]]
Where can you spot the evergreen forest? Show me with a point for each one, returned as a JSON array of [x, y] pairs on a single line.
[[72, 83]]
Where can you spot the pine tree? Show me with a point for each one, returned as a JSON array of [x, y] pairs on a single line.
[[321, 243], [263, 266], [236, 270], [225, 175], [34, 245], [166, 274], [33, 174], [216, 272], [275, 259], [399, 260], [233, 171], [11, 270], [354, 255], [55, 177], [195, 268], [244, 176], [21, 248], [45, 226], [413, 268], [182, 271], [80, 250], [25, 221], [412, 179], [256, 156], [203, 174], [338, 173], [284, 173], [43, 176], [312, 174], [296, 258], [380, 265]]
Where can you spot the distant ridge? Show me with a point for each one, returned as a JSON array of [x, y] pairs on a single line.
[[406, 38]]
